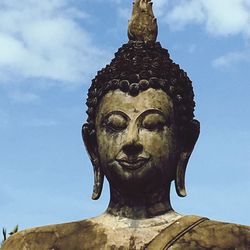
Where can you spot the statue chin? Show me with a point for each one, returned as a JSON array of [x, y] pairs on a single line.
[[139, 134]]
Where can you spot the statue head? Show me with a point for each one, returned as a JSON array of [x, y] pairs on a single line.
[[140, 130]]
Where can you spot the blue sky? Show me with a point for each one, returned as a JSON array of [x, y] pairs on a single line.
[[49, 52]]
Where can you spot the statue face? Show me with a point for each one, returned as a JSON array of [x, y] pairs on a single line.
[[136, 140]]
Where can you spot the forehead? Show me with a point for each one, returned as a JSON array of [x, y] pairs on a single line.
[[148, 99]]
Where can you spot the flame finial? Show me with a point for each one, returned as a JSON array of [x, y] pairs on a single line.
[[143, 24]]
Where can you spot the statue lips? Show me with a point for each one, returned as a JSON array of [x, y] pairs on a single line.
[[133, 163]]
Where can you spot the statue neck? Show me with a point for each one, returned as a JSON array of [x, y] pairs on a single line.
[[146, 205]]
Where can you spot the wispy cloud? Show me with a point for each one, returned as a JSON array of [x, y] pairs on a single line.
[[232, 58], [224, 17], [43, 39], [218, 18], [160, 7]]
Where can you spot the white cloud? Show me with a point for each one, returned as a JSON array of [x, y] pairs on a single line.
[[223, 17], [226, 61], [220, 17], [42, 39], [184, 13]]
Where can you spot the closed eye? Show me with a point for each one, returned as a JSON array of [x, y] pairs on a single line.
[[115, 123], [154, 122]]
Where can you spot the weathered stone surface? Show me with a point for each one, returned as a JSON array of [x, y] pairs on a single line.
[[86, 235], [216, 236], [192, 232], [70, 236], [143, 24]]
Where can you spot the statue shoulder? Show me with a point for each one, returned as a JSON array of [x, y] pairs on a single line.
[[194, 232], [59, 236], [214, 233]]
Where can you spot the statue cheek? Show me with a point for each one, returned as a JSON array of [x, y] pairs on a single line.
[[109, 145], [157, 142]]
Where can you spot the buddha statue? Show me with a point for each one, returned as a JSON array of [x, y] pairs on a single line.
[[139, 134]]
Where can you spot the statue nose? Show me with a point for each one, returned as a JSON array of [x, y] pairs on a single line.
[[132, 148]]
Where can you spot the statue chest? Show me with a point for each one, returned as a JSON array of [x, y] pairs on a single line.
[[129, 238]]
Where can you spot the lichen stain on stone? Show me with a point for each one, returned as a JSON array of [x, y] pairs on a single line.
[[81, 235], [216, 236]]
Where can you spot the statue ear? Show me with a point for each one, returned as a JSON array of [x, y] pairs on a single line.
[[191, 136], [89, 139]]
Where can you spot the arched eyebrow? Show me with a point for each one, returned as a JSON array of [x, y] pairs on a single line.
[[149, 112], [115, 112]]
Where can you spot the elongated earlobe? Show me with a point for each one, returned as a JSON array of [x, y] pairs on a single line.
[[98, 181], [180, 175], [189, 142], [88, 136]]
